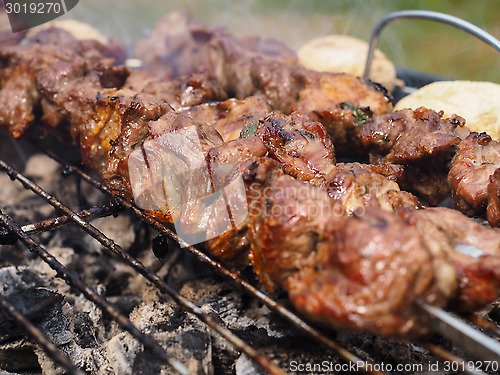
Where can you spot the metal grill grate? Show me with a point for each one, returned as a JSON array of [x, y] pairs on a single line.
[[12, 231]]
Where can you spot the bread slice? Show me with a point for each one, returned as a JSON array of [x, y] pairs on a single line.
[[346, 54], [477, 102]]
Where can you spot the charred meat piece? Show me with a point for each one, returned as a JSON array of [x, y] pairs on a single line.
[[91, 50], [370, 274], [184, 92], [493, 209], [65, 82], [231, 116], [474, 163], [97, 120], [244, 157], [250, 66], [356, 186], [237, 210], [169, 166], [247, 148], [422, 141], [478, 275], [302, 147], [19, 95], [171, 50], [341, 102], [20, 65], [287, 228]]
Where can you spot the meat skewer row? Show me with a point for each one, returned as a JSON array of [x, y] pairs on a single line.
[[110, 121]]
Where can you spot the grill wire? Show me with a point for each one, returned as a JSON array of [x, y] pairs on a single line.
[[12, 231]]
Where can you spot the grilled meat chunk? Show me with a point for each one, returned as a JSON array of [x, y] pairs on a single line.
[[356, 186], [186, 91], [231, 116], [248, 148], [493, 209], [474, 163], [478, 275], [180, 46], [234, 245], [370, 274], [420, 140], [20, 65], [302, 147], [287, 227], [341, 102], [19, 95], [170, 50], [250, 66]]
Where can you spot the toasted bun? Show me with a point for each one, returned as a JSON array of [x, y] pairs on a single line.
[[477, 102], [346, 54], [79, 30]]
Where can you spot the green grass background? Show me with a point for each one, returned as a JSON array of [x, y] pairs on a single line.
[[417, 44]]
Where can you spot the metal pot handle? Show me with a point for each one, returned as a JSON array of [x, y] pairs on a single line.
[[427, 15]]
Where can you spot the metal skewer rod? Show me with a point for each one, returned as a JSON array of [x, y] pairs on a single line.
[[462, 334], [426, 15]]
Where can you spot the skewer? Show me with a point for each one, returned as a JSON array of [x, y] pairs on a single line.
[[462, 334]]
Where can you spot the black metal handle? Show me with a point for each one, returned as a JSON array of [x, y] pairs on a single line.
[[427, 15]]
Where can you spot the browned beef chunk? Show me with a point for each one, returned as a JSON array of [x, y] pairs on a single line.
[[64, 82], [98, 119], [234, 245], [186, 92], [302, 147], [53, 49], [422, 141], [231, 116], [478, 275], [19, 95], [247, 66], [248, 148], [287, 227], [493, 209], [369, 275], [356, 186], [91, 50], [477, 158], [171, 49], [167, 173], [341, 102]]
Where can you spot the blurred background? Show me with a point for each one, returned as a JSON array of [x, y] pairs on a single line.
[[416, 44]]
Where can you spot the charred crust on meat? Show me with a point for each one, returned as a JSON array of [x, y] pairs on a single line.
[[285, 136], [380, 88], [306, 133], [254, 165]]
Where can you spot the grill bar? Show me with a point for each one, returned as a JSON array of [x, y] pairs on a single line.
[[48, 346], [57, 222], [250, 352], [74, 280]]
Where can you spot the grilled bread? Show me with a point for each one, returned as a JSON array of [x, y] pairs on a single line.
[[476, 102], [346, 54]]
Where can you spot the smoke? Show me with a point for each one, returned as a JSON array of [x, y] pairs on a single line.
[[419, 45]]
